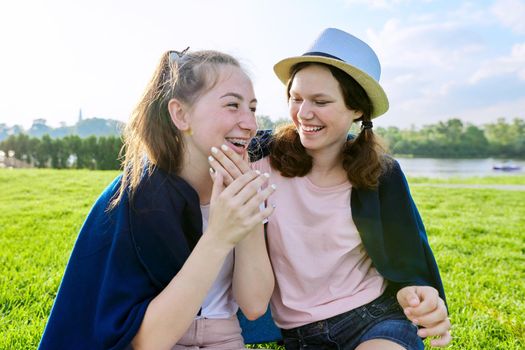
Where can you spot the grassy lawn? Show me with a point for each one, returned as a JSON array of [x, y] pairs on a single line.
[[478, 237]]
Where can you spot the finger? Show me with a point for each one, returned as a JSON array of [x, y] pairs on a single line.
[[435, 330], [218, 186], [217, 167], [432, 317], [240, 183], [407, 297], [241, 161], [442, 341], [232, 162], [430, 301], [251, 189], [260, 198], [260, 216]]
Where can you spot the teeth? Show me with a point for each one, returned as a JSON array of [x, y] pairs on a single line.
[[236, 141], [311, 128]]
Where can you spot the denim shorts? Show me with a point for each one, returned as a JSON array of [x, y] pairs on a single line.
[[382, 318]]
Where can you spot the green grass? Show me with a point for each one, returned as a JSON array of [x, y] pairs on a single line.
[[488, 180], [477, 236]]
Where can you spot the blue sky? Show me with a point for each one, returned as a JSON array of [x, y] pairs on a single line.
[[440, 59]]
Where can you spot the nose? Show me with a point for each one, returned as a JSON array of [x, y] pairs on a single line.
[[305, 111], [247, 121]]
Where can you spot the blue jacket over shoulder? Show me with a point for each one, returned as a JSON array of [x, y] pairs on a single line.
[[122, 259]]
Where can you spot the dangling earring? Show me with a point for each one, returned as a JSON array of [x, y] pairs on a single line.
[[188, 132]]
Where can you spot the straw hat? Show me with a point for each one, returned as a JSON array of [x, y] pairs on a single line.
[[348, 53]]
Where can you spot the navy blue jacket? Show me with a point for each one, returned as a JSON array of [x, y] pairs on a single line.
[[122, 259]]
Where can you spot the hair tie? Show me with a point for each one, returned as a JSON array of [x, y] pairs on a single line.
[[174, 56], [366, 124]]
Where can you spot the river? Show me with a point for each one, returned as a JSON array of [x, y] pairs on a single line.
[[432, 167]]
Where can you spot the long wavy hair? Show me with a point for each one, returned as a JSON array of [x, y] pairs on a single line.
[[364, 156], [151, 139]]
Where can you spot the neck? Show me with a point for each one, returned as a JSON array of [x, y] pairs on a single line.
[[196, 173], [327, 168]]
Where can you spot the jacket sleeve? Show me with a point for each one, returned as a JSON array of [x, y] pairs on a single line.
[[122, 259], [393, 232]]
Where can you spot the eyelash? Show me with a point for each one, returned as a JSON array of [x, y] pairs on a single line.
[[319, 103], [236, 106]]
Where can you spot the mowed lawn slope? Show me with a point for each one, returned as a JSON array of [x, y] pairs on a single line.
[[478, 237]]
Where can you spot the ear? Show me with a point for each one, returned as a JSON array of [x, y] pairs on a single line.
[[356, 115], [178, 114]]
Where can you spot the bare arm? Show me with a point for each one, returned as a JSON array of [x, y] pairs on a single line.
[[253, 279], [233, 214]]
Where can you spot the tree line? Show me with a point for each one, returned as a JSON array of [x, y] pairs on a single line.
[[449, 139], [101, 153]]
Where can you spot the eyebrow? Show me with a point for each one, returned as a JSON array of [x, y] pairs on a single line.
[[317, 95], [233, 94]]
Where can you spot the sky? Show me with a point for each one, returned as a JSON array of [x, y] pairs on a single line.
[[440, 59]]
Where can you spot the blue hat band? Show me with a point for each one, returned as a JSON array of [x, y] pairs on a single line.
[[317, 53]]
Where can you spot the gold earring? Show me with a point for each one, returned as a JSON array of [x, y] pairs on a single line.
[[188, 132]]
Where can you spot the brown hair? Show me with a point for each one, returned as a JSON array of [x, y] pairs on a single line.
[[151, 139], [364, 157]]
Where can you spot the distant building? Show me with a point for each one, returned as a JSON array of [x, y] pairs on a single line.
[[80, 115], [39, 122]]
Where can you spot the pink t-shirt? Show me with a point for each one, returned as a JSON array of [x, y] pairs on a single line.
[[319, 261]]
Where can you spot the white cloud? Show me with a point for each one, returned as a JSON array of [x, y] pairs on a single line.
[[378, 4], [432, 45], [486, 114], [512, 64], [511, 13]]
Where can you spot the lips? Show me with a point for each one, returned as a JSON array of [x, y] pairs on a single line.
[[239, 145], [311, 128]]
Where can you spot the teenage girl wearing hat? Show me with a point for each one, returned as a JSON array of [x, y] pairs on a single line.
[[347, 276]]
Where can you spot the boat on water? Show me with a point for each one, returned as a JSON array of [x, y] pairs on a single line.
[[506, 167]]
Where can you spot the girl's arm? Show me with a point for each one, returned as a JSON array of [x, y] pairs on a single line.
[[233, 214], [253, 279]]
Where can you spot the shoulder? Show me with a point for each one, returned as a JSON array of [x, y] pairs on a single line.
[[159, 189], [260, 145], [392, 175]]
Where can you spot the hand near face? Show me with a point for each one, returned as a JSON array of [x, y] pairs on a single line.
[[228, 163], [236, 210], [423, 306]]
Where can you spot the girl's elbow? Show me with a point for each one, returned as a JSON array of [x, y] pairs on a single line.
[[254, 312]]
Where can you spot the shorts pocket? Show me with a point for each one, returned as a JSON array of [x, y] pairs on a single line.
[[382, 306]]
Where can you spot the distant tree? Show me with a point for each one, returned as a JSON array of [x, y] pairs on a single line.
[[264, 122]]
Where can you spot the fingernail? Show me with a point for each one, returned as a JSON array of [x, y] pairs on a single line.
[[210, 158], [257, 172], [267, 175], [274, 186], [224, 147], [212, 171], [273, 205], [422, 333], [214, 150]]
